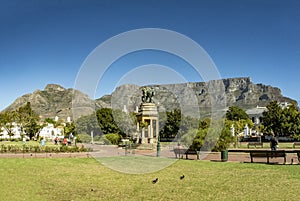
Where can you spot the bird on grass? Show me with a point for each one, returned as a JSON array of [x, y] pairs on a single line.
[[182, 177], [155, 181]]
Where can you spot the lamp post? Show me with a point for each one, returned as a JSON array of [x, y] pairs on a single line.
[[158, 135], [92, 137], [158, 146]]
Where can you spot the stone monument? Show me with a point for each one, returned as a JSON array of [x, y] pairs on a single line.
[[147, 118]]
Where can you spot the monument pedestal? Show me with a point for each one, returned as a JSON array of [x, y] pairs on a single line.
[[147, 123]]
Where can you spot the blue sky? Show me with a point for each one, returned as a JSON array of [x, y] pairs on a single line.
[[43, 42]]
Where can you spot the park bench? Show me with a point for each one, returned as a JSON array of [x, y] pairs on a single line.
[[122, 145], [296, 144], [192, 152], [180, 152], [255, 144], [267, 154]]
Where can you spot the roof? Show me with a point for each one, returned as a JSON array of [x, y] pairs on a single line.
[[257, 110]]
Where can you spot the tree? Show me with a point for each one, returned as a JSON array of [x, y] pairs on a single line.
[[224, 140], [49, 121], [7, 119], [205, 123], [291, 120], [172, 125], [28, 120], [126, 122], [217, 137], [87, 124], [187, 123], [273, 118], [55, 123], [193, 136], [237, 118], [234, 113], [106, 121], [282, 121], [69, 128], [239, 125]]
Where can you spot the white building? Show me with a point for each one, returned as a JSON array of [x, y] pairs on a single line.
[[16, 130], [47, 132], [50, 132], [255, 114]]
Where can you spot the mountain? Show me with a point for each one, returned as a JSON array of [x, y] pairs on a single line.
[[55, 100], [202, 96]]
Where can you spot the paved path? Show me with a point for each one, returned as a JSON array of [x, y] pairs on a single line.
[[108, 151]]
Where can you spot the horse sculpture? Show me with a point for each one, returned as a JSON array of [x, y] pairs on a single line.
[[147, 95]]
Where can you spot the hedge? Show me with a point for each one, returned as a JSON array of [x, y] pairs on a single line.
[[41, 149]]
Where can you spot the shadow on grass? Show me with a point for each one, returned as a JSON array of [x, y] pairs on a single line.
[[136, 164]]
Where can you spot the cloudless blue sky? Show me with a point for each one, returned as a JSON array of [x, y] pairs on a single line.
[[43, 42]]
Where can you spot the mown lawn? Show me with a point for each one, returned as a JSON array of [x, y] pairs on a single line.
[[86, 179]]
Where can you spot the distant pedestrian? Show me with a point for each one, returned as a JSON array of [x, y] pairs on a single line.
[[65, 141], [273, 143], [43, 142], [180, 150], [179, 146], [69, 142]]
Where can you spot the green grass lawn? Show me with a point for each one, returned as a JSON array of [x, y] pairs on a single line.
[[86, 179]]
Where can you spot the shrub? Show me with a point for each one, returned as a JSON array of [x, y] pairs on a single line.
[[36, 149], [84, 138], [25, 148], [3, 148], [63, 148], [40, 149], [114, 138]]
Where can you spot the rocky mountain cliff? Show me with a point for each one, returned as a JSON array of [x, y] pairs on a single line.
[[200, 96], [55, 100]]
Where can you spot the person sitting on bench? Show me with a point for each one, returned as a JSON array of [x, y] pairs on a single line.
[[273, 143]]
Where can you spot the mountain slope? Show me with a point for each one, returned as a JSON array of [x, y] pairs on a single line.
[[55, 100]]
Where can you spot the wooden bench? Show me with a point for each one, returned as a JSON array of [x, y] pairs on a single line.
[[296, 144], [268, 154], [192, 152], [255, 144], [180, 152]]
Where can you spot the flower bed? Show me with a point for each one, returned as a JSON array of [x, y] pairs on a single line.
[[7, 148]]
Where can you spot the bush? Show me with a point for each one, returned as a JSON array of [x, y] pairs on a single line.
[[40, 149], [36, 149], [84, 138], [97, 138], [26, 148], [113, 138]]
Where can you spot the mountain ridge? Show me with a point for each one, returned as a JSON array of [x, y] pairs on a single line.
[[55, 100]]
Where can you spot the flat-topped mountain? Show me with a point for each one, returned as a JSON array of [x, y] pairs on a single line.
[[55, 100], [190, 96]]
